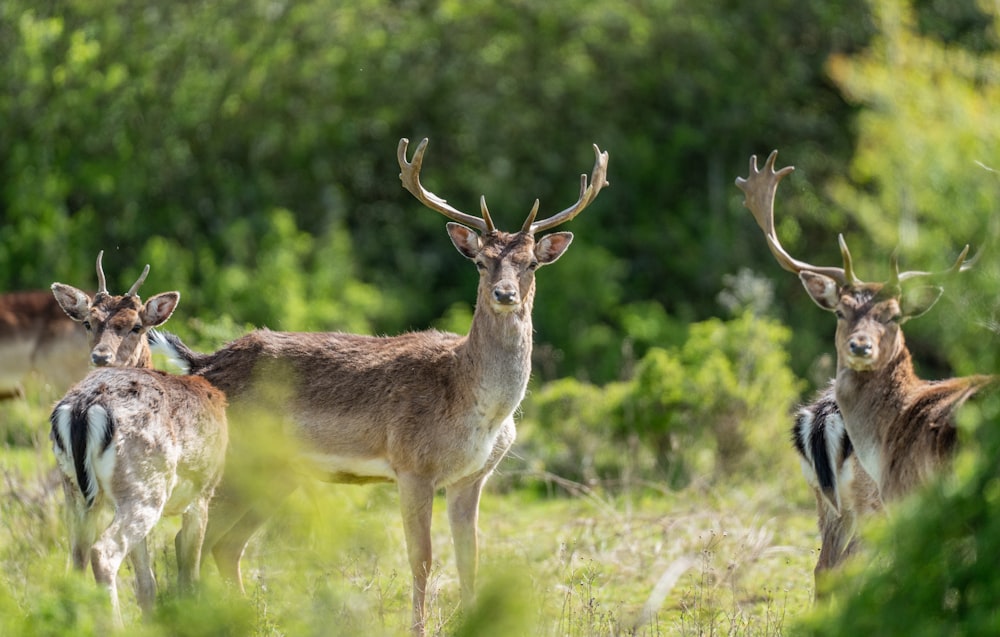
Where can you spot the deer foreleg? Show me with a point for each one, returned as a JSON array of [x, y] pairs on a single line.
[[463, 514], [416, 500]]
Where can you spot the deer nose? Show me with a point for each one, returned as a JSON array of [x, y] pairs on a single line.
[[505, 294], [101, 357], [860, 346]]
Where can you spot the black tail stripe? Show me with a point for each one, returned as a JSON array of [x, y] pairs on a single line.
[[78, 441], [821, 456]]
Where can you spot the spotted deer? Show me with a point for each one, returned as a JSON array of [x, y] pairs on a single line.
[[136, 440], [426, 410], [117, 326], [900, 429], [38, 339]]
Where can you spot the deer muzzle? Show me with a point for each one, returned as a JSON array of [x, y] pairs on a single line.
[[861, 351], [505, 294], [102, 356]]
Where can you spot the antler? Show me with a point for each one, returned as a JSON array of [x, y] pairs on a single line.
[[135, 286], [760, 187], [598, 180], [410, 176], [102, 285], [961, 265]]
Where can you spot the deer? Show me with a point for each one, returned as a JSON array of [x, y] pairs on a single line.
[[117, 326], [147, 444], [900, 429], [426, 410], [36, 337], [134, 439]]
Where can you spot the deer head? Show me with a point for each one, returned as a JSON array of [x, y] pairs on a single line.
[[116, 325], [506, 262], [869, 315]]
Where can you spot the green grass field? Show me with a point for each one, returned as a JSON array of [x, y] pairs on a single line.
[[729, 558]]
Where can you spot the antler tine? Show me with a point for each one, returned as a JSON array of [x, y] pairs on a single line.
[[410, 176], [102, 285], [486, 214], [759, 188], [598, 180], [135, 286], [961, 265]]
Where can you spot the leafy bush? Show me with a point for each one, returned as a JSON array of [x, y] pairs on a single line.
[[716, 402]]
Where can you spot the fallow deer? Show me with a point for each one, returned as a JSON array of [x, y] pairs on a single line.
[[146, 444], [117, 325], [36, 337], [900, 427], [427, 410], [140, 441]]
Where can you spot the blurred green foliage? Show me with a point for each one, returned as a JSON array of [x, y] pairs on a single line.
[[247, 151]]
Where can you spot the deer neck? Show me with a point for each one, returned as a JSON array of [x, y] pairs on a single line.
[[870, 401], [497, 354]]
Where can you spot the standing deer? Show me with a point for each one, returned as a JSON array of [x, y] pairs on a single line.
[[140, 441], [427, 410], [37, 337], [117, 326], [901, 427]]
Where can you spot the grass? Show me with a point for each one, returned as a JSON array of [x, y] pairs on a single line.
[[729, 558]]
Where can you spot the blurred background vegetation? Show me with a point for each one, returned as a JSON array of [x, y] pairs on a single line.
[[246, 150]]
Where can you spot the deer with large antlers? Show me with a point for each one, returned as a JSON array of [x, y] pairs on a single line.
[[900, 427], [427, 410], [117, 325]]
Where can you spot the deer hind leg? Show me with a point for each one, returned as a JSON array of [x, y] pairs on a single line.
[[837, 533], [128, 530], [145, 580], [232, 522], [416, 500], [82, 523], [188, 543]]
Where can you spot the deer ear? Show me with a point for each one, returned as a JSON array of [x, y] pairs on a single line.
[[158, 309], [915, 302], [466, 240], [76, 303], [821, 288], [551, 246]]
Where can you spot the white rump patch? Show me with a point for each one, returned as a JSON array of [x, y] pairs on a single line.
[[63, 450], [99, 466]]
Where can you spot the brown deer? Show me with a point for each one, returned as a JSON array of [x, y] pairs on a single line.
[[146, 444], [427, 410], [900, 427], [36, 337], [117, 326], [139, 441]]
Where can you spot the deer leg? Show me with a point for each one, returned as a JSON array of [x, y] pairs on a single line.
[[188, 543], [416, 500], [836, 534], [231, 524], [82, 526], [145, 580], [463, 514], [129, 528]]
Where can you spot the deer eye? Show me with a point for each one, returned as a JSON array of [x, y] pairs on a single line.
[[86, 325], [137, 328], [480, 266], [896, 318], [839, 314], [532, 266]]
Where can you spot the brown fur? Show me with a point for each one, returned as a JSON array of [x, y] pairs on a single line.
[[37, 337], [429, 409], [117, 326], [902, 427], [166, 439]]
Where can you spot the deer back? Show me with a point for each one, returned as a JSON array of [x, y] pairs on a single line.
[[121, 431]]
